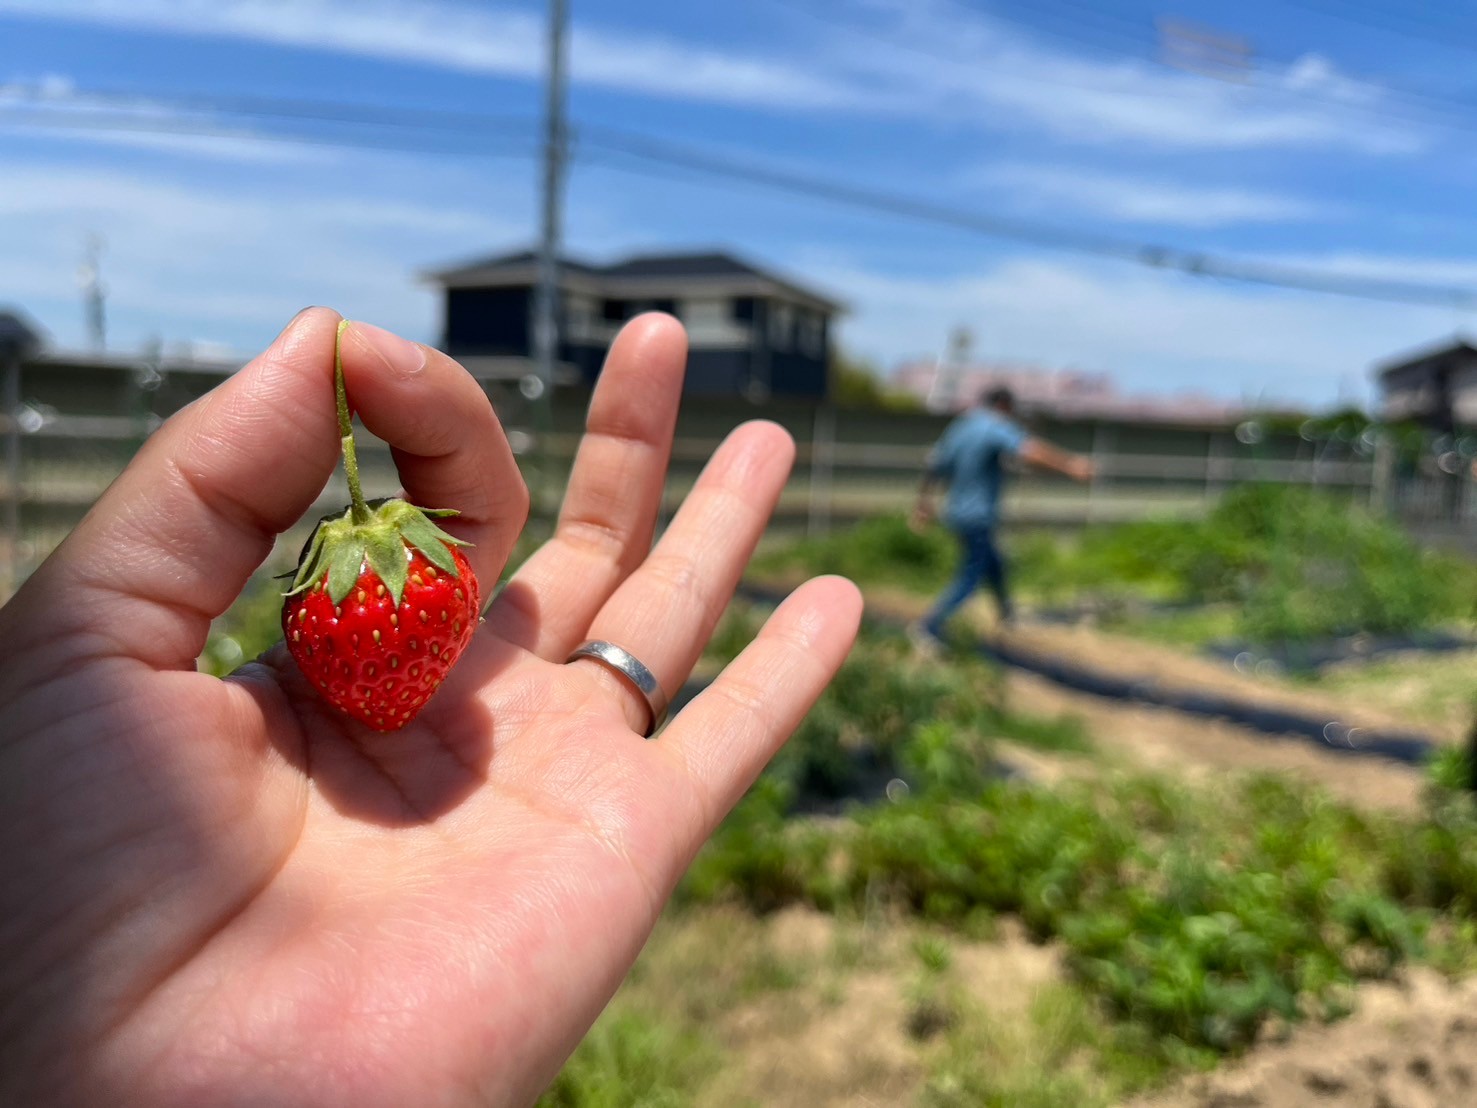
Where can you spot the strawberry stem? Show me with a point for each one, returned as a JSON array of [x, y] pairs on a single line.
[[359, 511]]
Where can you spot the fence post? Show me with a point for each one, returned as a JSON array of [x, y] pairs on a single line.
[[1380, 478], [822, 466], [1101, 447], [11, 399]]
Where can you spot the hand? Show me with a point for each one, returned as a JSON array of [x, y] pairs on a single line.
[[223, 892], [1082, 469], [921, 518]]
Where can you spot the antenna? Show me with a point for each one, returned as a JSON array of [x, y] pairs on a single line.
[[89, 280]]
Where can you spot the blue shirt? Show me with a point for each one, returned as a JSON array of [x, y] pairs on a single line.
[[968, 457]]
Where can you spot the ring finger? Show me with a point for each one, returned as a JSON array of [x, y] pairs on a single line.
[[665, 612]]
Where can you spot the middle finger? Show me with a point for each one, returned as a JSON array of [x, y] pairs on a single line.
[[610, 510]]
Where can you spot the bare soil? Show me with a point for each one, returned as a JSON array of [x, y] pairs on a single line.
[[1409, 1045], [855, 1044]]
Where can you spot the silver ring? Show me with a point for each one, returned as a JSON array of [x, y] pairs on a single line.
[[626, 664]]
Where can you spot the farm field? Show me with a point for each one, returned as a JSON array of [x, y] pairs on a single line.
[[966, 884], [1095, 927]]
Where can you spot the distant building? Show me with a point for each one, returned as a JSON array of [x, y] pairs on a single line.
[[750, 332], [1062, 394], [1436, 386]]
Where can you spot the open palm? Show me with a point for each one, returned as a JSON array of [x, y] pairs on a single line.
[[222, 892]]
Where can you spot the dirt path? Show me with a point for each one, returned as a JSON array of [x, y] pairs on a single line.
[[1125, 655], [1191, 747], [1131, 658], [1409, 1045], [1201, 749]]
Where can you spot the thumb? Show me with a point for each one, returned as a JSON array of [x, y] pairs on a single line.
[[173, 540]]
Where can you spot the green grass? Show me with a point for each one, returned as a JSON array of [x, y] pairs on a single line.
[[633, 1059], [1191, 916], [247, 629], [1061, 1052], [889, 713], [1289, 564]]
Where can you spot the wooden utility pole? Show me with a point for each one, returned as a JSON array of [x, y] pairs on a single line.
[[546, 296]]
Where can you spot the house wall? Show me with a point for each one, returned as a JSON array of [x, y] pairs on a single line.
[[1414, 392], [739, 346], [788, 361]]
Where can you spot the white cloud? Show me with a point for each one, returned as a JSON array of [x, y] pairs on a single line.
[[976, 67], [53, 106], [925, 61], [242, 147], [1412, 268], [232, 262], [504, 41], [1124, 199]]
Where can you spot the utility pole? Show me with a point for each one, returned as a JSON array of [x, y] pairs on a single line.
[[546, 297]]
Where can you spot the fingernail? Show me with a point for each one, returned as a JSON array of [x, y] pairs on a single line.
[[291, 323], [403, 356]]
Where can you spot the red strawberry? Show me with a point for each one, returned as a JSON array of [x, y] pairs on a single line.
[[382, 604]]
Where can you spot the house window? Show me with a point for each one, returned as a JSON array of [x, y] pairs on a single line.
[[811, 334], [743, 309], [707, 316], [579, 317], [613, 311], [781, 325]]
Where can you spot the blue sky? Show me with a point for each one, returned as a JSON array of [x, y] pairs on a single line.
[[1345, 144]]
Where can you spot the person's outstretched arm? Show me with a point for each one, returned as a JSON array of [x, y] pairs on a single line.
[[223, 892], [1040, 453]]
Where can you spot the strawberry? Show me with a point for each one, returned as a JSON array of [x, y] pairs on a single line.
[[382, 603]]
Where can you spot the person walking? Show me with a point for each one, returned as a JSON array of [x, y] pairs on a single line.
[[969, 460]]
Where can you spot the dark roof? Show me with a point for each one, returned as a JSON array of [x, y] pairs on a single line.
[[684, 265], [701, 265], [515, 260], [1446, 348], [18, 336]]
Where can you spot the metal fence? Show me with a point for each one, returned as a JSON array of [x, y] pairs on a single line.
[[79, 422]]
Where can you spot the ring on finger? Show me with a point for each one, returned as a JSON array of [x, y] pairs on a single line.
[[621, 661]]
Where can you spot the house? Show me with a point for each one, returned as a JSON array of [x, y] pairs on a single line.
[[751, 332], [1436, 387]]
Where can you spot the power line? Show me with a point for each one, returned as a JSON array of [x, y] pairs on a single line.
[[1390, 102], [656, 151], [1403, 23], [1191, 262], [1384, 89], [107, 121]]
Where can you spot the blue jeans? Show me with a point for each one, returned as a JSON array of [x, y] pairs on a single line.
[[980, 563]]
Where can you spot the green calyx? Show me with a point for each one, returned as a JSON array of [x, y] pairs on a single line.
[[377, 533], [341, 547]]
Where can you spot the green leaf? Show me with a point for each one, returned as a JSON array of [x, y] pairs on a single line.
[[430, 540], [311, 565], [386, 554], [344, 570]]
